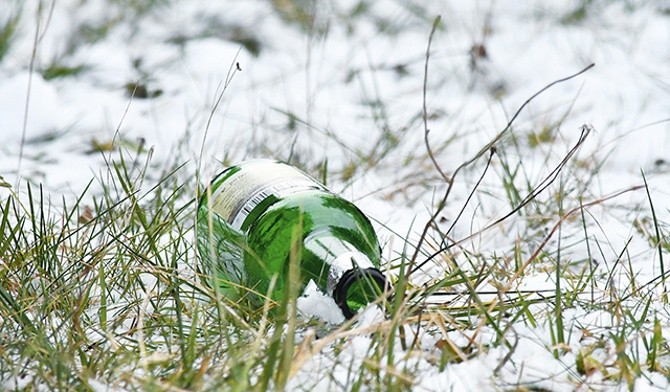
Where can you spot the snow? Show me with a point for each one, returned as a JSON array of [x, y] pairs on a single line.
[[45, 112], [314, 303], [329, 82]]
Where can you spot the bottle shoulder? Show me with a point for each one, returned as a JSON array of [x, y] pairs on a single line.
[[313, 214], [317, 208]]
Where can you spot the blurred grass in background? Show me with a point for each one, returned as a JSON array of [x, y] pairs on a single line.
[[103, 291]]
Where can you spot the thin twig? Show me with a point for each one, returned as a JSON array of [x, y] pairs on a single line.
[[659, 239], [31, 70], [486, 148], [544, 184], [232, 70], [426, 131], [509, 354], [539, 249], [467, 201]]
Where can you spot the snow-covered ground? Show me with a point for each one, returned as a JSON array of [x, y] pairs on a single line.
[[205, 82]]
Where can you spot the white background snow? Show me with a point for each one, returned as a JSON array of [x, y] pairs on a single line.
[[188, 50]]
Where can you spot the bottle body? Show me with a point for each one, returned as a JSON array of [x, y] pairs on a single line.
[[258, 217]]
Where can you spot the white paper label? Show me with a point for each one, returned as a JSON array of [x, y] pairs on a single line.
[[254, 182]]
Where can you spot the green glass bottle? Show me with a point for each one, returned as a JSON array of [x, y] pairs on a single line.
[[253, 213]]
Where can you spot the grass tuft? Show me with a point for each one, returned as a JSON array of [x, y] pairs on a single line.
[[515, 255], [7, 34]]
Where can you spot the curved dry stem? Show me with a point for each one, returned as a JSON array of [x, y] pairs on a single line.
[[488, 147]]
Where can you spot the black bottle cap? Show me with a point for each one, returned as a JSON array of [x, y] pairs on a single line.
[[348, 279]]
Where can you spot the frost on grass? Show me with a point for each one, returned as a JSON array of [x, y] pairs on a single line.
[[339, 93]]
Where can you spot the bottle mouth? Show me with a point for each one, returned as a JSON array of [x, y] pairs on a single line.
[[371, 280]]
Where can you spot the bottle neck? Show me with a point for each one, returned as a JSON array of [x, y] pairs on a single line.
[[352, 279], [357, 287], [344, 263], [337, 253]]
